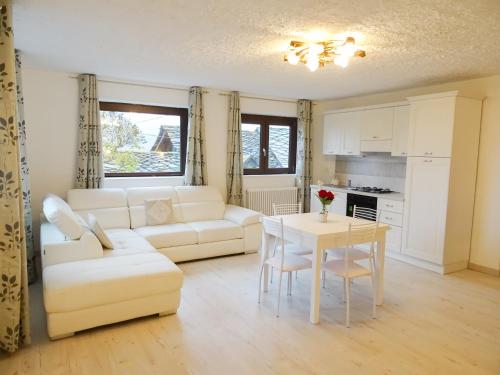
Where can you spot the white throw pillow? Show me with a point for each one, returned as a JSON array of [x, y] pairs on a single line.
[[96, 228], [159, 211], [59, 213]]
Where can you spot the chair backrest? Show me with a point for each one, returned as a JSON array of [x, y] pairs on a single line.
[[273, 226], [287, 208], [365, 213]]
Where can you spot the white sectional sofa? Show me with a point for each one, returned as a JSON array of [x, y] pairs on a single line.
[[86, 286]]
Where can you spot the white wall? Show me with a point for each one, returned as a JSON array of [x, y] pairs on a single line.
[[51, 106], [485, 246]]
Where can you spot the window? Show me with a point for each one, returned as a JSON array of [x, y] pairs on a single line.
[[269, 144], [143, 140]]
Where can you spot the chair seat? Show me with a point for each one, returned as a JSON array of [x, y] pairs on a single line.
[[354, 254], [290, 263], [291, 248], [339, 268]]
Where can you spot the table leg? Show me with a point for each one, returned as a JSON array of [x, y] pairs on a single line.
[[315, 286], [380, 269]]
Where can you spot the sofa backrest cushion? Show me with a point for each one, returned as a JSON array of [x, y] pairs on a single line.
[[200, 203], [59, 213], [109, 206], [137, 196]]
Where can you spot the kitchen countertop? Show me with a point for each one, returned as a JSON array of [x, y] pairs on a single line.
[[393, 196]]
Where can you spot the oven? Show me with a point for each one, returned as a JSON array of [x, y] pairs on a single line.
[[360, 201]]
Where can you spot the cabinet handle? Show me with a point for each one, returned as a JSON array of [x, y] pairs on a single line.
[[389, 205], [374, 136], [403, 153], [349, 152], [428, 153], [388, 218], [427, 160]]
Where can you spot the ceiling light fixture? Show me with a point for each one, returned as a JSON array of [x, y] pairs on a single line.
[[318, 54]]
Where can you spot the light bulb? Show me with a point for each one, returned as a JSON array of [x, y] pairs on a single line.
[[292, 58], [317, 48], [312, 62], [342, 61]]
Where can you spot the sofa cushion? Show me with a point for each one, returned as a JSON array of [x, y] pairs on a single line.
[[159, 211], [125, 242], [89, 283], [216, 230], [161, 236], [59, 213], [96, 228], [108, 205], [137, 196]]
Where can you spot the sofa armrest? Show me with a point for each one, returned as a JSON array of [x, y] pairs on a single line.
[[87, 247], [241, 216]]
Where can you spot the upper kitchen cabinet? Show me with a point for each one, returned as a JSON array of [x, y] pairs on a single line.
[[400, 131], [376, 129], [341, 133], [432, 119]]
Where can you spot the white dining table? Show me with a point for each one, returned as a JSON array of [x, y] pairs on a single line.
[[307, 230]]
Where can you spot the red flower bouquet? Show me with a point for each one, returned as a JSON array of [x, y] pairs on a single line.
[[325, 197]]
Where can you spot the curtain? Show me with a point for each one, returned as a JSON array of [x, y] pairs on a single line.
[[89, 173], [25, 182], [14, 311], [234, 163], [195, 159], [303, 174]]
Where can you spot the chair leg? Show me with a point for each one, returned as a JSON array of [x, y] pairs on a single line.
[[289, 286], [374, 291], [279, 294], [348, 305], [260, 280], [271, 276], [296, 275], [344, 296]]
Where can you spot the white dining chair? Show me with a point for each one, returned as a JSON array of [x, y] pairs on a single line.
[[355, 252], [290, 248], [348, 269], [281, 260]]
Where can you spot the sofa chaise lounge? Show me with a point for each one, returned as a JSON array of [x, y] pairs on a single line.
[[86, 286]]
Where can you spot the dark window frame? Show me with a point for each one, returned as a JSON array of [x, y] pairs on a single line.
[[157, 110], [265, 121]]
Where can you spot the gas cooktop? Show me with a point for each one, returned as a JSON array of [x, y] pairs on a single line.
[[371, 189]]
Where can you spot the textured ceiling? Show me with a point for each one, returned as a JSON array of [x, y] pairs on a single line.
[[238, 44]]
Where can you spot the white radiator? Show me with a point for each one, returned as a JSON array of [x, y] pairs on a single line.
[[261, 200]]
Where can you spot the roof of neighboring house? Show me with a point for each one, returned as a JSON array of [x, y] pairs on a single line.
[[157, 160]]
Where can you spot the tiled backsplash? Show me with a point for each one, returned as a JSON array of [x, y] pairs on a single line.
[[373, 169]]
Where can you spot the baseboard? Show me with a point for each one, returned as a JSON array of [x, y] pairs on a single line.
[[441, 269], [483, 269]]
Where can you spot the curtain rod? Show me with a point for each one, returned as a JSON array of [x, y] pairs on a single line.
[[143, 84], [108, 80]]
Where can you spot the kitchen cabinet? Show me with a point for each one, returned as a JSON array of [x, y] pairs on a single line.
[[440, 180], [376, 124], [431, 127], [339, 204], [426, 202], [391, 212], [399, 146], [341, 133]]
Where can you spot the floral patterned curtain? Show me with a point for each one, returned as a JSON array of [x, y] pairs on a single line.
[[14, 309], [234, 163], [25, 180], [90, 168], [303, 173], [195, 159]]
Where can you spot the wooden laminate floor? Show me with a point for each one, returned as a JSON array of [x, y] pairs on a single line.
[[429, 324]]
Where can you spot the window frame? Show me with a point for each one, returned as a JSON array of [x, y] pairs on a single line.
[[157, 110], [265, 121]]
